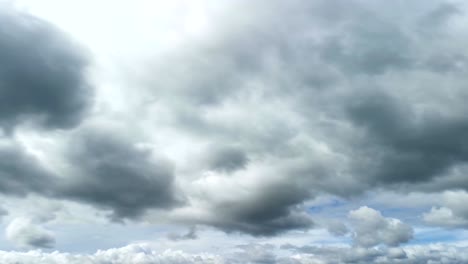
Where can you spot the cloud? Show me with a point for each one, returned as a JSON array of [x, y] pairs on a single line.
[[372, 229], [134, 253], [255, 254], [451, 211], [270, 211], [327, 101], [191, 234], [336, 227], [227, 159], [21, 172], [115, 174], [42, 75], [106, 170], [433, 253], [25, 233], [3, 213]]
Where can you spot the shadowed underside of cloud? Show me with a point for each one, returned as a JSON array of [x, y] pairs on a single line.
[[114, 174]]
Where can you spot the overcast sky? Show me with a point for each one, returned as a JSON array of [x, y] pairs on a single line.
[[233, 131]]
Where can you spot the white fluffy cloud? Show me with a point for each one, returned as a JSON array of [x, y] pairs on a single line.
[[371, 228], [251, 254]]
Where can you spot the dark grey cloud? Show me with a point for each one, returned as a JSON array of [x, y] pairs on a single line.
[[408, 146], [227, 159], [107, 171], [112, 173], [271, 210], [42, 73]]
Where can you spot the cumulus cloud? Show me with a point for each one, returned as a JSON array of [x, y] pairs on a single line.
[[42, 75], [21, 172], [115, 174], [451, 211], [107, 170], [336, 94], [269, 212], [25, 233], [372, 229]]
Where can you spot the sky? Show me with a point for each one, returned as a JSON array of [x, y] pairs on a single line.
[[233, 131]]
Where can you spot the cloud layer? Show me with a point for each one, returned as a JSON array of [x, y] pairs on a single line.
[[141, 253], [256, 112]]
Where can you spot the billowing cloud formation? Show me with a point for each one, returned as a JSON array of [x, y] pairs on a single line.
[[337, 94], [25, 233], [114, 174], [372, 229], [107, 171], [265, 112], [42, 74]]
